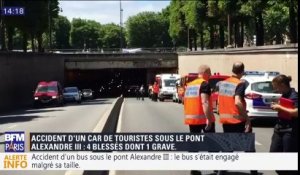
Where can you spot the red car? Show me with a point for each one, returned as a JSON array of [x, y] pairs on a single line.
[[48, 93], [213, 80]]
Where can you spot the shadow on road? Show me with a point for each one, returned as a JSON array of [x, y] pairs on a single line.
[[16, 119], [29, 111], [264, 122], [90, 102]]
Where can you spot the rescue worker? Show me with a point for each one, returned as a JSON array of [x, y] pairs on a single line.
[[150, 91], [137, 93], [142, 91], [232, 105], [155, 91], [198, 105], [285, 136]]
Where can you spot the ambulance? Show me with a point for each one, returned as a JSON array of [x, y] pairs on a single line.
[[167, 85]]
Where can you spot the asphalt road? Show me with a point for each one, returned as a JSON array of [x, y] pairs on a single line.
[[69, 118], [148, 116]]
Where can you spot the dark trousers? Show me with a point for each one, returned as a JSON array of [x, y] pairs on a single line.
[[201, 128], [283, 142], [239, 128], [236, 128], [142, 95], [154, 96]]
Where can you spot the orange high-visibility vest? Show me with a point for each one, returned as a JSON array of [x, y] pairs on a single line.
[[193, 110], [228, 112]]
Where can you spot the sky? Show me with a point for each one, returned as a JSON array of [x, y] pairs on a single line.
[[108, 11]]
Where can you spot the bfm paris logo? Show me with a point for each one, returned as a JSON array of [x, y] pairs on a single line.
[[14, 141]]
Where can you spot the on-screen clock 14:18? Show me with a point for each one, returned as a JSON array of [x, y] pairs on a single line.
[[13, 11]]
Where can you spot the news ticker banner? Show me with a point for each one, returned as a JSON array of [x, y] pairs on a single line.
[[148, 161], [106, 142]]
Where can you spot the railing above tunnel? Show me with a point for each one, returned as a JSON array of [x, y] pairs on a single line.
[[116, 50]]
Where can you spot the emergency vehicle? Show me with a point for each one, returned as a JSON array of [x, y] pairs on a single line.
[[181, 85], [213, 83], [259, 94], [167, 85]]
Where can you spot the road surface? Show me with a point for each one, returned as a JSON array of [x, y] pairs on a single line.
[[148, 116], [69, 118]]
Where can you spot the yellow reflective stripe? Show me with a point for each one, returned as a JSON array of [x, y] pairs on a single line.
[[195, 116], [231, 116]]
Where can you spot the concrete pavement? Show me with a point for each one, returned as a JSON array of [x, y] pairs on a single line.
[[148, 116], [69, 118]]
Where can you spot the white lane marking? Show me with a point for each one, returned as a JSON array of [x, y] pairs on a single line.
[[114, 172], [257, 143], [99, 127], [12, 126], [74, 172]]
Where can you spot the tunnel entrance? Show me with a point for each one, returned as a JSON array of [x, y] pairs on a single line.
[[107, 82], [113, 82]]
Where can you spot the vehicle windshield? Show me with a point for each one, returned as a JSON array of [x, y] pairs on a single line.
[[70, 90], [170, 82], [44, 89], [87, 90], [262, 87]]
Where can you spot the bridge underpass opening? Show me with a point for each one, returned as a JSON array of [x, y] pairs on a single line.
[[113, 82], [106, 82]]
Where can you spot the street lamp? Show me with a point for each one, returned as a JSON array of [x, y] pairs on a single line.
[[121, 26]]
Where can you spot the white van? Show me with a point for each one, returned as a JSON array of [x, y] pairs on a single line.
[[167, 85]]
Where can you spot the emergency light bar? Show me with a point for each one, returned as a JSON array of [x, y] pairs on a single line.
[[272, 73], [253, 73], [261, 73]]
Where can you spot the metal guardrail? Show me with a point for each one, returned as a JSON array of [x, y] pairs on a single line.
[[114, 50]]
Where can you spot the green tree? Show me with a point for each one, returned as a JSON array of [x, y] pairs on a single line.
[[195, 16], [255, 9], [85, 34], [9, 24], [111, 35], [276, 21], [178, 28], [293, 20], [34, 23], [165, 37], [62, 29], [231, 11], [146, 29]]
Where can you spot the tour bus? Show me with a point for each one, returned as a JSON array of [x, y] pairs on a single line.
[[167, 85]]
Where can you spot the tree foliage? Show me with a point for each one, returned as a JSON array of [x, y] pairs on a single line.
[[85, 34], [147, 29], [62, 27], [209, 24], [111, 35]]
